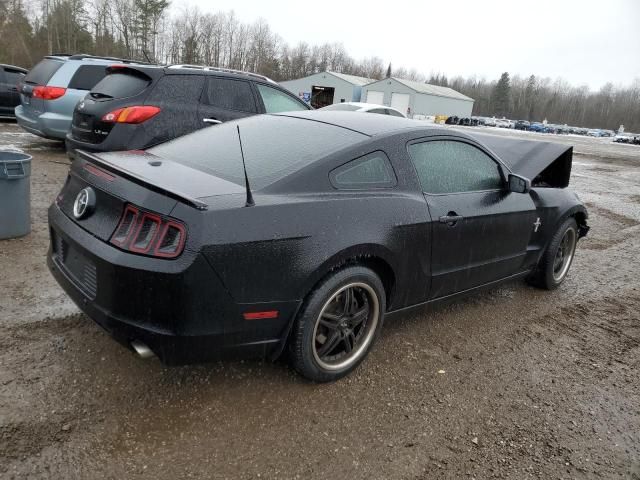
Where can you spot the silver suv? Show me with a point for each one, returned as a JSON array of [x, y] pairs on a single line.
[[51, 90]]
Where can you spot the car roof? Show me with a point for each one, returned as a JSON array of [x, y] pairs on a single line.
[[3, 65], [209, 70], [367, 124], [64, 57]]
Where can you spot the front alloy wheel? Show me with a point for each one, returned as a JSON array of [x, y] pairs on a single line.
[[556, 260]]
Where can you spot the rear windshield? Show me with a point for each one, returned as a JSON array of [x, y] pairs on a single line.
[[43, 71], [87, 76], [274, 147], [120, 85], [341, 106]]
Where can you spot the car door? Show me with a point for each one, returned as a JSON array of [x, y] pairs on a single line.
[[480, 230], [225, 99]]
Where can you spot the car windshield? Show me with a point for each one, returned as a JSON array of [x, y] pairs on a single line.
[[274, 146], [341, 106]]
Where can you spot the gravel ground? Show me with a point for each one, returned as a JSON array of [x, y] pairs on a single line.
[[513, 383]]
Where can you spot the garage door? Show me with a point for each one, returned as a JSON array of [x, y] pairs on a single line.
[[375, 97], [400, 101]]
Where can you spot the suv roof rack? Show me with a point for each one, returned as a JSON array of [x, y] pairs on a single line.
[[224, 70], [82, 56]]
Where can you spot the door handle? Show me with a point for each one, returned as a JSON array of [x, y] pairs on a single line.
[[451, 219], [211, 120]]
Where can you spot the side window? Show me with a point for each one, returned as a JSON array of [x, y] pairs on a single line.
[[371, 171], [446, 166], [229, 94], [394, 113], [381, 111], [87, 76], [13, 77], [276, 101]]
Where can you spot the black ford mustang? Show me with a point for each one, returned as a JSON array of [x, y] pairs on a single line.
[[304, 231]]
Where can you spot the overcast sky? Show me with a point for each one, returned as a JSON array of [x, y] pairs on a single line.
[[585, 42]]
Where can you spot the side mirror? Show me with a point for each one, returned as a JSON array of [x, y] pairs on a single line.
[[518, 184]]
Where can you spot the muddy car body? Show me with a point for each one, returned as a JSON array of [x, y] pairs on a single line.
[[182, 250]]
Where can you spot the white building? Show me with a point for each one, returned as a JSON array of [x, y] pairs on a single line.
[[416, 98], [326, 88]]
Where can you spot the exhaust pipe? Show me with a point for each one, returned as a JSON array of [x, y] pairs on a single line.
[[142, 350]]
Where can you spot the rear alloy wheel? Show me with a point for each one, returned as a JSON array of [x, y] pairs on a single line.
[[338, 324], [556, 260]]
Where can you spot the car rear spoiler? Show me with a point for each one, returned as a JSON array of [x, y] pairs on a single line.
[[106, 165]]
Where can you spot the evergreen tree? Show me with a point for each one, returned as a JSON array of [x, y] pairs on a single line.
[[388, 71], [530, 96], [501, 96], [149, 12]]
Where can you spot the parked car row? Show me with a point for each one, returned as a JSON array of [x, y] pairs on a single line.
[[539, 127], [103, 104], [630, 138], [464, 121]]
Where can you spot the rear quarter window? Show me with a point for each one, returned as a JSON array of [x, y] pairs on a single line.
[[120, 85], [87, 76], [43, 71], [370, 171]]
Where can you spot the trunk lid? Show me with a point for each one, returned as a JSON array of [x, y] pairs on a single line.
[[137, 178], [172, 179]]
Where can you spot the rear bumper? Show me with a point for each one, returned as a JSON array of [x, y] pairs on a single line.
[[48, 125], [179, 308], [121, 137]]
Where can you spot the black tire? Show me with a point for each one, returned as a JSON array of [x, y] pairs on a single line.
[[547, 274], [359, 289]]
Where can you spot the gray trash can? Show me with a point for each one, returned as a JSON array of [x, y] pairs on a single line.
[[15, 194]]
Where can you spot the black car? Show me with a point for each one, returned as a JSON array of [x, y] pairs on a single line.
[[304, 231], [136, 107], [522, 125], [10, 77]]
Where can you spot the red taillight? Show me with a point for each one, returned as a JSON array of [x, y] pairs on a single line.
[[126, 227], [171, 240], [149, 234], [48, 93], [137, 114]]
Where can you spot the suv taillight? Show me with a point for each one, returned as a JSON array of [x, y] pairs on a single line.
[[136, 114], [149, 234], [48, 93]]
